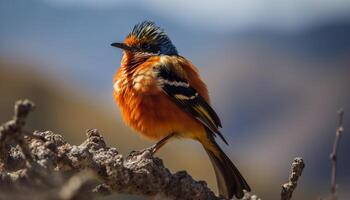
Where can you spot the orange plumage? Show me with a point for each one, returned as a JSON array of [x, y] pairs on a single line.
[[147, 109], [161, 95]]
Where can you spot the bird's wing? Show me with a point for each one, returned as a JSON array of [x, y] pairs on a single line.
[[187, 98]]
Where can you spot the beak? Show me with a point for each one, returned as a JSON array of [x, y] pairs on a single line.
[[122, 46]]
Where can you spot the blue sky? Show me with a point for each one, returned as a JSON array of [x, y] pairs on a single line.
[[227, 15], [73, 36]]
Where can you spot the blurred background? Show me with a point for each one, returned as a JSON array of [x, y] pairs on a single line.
[[277, 72]]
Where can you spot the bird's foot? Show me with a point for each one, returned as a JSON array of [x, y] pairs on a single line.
[[152, 150]]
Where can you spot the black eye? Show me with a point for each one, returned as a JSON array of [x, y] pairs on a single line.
[[146, 46], [150, 47]]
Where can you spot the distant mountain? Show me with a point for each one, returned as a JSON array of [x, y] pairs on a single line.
[[327, 40]]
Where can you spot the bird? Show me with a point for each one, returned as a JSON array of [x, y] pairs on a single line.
[[162, 96]]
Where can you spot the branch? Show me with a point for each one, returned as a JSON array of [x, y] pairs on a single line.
[[44, 161], [333, 155], [44, 166], [288, 188]]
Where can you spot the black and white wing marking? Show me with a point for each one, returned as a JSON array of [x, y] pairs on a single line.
[[186, 97]]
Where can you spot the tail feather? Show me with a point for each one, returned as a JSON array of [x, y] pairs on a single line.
[[229, 179]]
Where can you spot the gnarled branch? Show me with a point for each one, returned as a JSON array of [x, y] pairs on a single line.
[[30, 160]]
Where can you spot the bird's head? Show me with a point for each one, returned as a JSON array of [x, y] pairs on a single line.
[[146, 38]]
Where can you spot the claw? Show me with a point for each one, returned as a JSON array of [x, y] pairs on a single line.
[[154, 148]]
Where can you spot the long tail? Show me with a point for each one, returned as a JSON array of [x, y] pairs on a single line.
[[229, 179]]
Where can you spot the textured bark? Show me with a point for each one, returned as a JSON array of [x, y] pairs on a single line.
[[43, 164], [288, 188]]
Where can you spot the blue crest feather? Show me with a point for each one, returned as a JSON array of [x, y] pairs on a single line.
[[149, 31]]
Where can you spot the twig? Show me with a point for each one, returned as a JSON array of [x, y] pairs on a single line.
[[11, 132], [333, 155], [288, 188]]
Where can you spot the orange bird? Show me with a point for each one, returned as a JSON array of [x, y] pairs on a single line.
[[161, 96]]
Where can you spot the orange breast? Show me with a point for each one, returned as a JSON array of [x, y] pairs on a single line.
[[154, 116], [147, 109]]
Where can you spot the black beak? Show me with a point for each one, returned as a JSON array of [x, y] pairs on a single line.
[[122, 46]]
